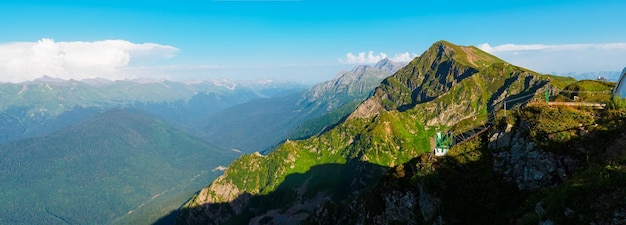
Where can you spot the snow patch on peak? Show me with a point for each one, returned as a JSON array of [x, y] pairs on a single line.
[[225, 83]]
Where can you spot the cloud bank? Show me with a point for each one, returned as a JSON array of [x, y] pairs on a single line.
[[370, 57], [22, 61], [562, 58]]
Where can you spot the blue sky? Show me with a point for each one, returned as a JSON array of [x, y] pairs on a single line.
[[307, 40]]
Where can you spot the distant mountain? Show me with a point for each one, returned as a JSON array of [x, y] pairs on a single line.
[[358, 82], [48, 80], [608, 75], [119, 167], [341, 95], [41, 106], [272, 88], [389, 66], [260, 124], [320, 180], [86, 152]]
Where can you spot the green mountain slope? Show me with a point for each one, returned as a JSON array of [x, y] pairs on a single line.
[[586, 90], [452, 84], [120, 167], [447, 87], [435, 72], [542, 164], [262, 124]]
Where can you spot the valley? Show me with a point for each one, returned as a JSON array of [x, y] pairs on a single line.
[[123, 166], [132, 152]]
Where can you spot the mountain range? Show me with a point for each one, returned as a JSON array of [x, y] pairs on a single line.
[[47, 104], [131, 152], [608, 75], [376, 165], [357, 149], [263, 123]]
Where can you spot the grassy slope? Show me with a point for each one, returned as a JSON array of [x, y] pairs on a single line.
[[586, 91], [385, 141], [469, 81], [467, 172], [471, 193]]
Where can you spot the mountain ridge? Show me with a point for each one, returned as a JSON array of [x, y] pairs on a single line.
[[388, 129], [295, 116]]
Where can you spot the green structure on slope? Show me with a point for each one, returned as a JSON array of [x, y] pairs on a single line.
[[442, 143]]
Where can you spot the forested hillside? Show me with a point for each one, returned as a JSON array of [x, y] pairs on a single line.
[[121, 167]]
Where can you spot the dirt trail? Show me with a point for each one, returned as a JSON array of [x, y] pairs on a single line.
[[470, 55]]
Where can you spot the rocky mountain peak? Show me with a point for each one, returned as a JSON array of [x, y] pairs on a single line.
[[466, 55], [359, 69], [362, 78], [432, 74], [387, 65], [454, 76]]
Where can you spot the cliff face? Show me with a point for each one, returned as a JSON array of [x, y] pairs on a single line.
[[541, 165], [527, 164], [334, 177]]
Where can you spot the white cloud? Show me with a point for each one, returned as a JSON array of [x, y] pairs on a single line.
[[403, 57], [370, 57], [22, 61], [362, 58], [511, 47], [537, 47], [562, 58]]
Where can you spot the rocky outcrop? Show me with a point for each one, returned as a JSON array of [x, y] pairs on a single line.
[[369, 108], [409, 207], [396, 200], [520, 160]]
